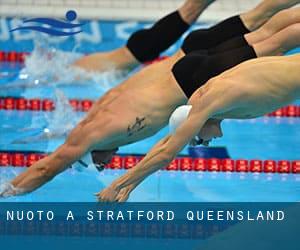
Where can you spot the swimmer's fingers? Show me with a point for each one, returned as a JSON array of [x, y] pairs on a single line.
[[107, 195], [7, 192], [123, 195], [2, 192], [101, 197]]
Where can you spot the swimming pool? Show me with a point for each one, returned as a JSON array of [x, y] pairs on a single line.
[[266, 138]]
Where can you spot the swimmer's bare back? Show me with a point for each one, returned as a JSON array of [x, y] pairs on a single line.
[[138, 107], [255, 87]]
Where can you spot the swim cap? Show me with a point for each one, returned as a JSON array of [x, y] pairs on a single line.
[[178, 117]]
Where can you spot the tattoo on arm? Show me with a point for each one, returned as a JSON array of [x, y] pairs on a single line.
[[137, 126]]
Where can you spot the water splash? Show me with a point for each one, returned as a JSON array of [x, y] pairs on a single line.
[[63, 119], [58, 122], [48, 66], [8, 190]]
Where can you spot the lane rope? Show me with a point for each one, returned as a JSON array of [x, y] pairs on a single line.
[[19, 57], [84, 105], [11, 103], [26, 159]]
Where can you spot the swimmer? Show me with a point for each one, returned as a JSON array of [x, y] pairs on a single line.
[[138, 108], [276, 83], [147, 44], [278, 22]]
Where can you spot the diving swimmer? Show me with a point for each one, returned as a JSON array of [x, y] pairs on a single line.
[[276, 83]]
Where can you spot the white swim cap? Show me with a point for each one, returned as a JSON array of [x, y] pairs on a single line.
[[178, 117]]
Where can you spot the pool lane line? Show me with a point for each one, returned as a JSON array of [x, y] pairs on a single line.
[[37, 104], [183, 163], [19, 57], [13, 56], [84, 105]]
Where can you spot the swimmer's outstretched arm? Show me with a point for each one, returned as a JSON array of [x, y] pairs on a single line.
[[159, 157], [81, 139], [43, 171], [164, 152]]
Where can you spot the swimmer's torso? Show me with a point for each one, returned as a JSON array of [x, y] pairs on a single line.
[[154, 90], [143, 103]]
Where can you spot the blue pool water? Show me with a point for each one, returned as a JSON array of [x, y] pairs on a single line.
[[263, 138]]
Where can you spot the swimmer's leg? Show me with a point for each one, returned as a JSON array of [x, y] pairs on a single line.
[[279, 43], [151, 41], [256, 17], [278, 22], [229, 34]]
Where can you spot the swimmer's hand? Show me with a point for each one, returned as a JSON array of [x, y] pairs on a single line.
[[109, 194], [124, 194], [7, 190]]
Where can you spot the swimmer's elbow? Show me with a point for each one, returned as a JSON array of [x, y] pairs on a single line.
[[61, 159], [166, 157], [164, 160], [45, 173], [167, 152]]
